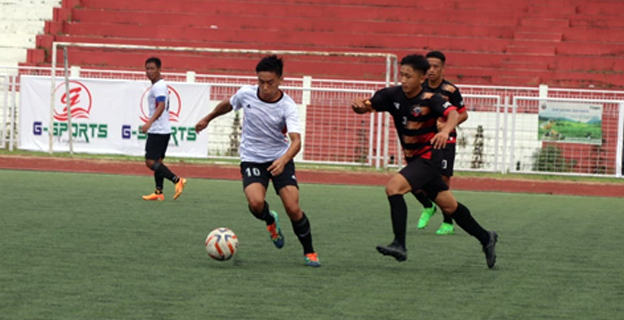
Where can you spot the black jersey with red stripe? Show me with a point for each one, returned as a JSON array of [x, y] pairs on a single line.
[[414, 118], [451, 93]]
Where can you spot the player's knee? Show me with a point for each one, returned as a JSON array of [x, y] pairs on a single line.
[[394, 189], [293, 210], [398, 185], [448, 207], [256, 205]]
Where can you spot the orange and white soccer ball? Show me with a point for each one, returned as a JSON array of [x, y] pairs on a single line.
[[221, 244]]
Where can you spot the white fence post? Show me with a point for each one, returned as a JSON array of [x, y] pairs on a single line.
[[190, 76], [619, 160], [5, 93]]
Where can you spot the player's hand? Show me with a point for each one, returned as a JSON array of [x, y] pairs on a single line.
[[201, 125], [277, 167], [439, 140], [361, 105], [146, 127]]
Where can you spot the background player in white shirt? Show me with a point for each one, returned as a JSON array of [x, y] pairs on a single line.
[[158, 132], [266, 153]]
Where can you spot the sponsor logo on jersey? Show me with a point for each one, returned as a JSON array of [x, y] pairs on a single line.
[[416, 110]]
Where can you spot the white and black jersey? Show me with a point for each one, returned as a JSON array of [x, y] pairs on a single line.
[[159, 93], [265, 125]]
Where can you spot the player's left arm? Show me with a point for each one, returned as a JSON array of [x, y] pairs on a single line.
[[160, 108], [457, 100], [463, 116], [292, 125], [440, 139], [277, 167], [446, 109]]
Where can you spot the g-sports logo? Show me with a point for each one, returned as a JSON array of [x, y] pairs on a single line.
[[80, 102], [178, 133]]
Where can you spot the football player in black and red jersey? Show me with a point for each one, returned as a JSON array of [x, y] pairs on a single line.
[[437, 84], [415, 113]]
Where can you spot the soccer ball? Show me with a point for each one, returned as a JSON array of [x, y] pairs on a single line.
[[221, 244]]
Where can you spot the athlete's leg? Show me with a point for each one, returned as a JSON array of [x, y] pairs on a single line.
[[152, 151], [288, 190], [446, 228], [446, 166], [298, 219], [395, 189], [256, 195], [255, 181], [428, 208], [447, 202]]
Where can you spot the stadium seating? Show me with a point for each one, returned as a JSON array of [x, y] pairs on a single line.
[[21, 21], [576, 43]]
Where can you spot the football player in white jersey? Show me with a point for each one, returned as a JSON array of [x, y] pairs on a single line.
[[158, 132], [270, 120]]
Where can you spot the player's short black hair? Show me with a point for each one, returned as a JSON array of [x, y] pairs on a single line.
[[155, 61], [271, 64], [437, 55], [417, 62]]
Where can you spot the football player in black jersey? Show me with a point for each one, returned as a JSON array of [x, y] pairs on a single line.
[[415, 113], [436, 83]]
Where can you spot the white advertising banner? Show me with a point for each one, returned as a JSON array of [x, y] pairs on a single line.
[[106, 116]]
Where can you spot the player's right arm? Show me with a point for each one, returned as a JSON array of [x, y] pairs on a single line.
[[362, 106], [222, 108]]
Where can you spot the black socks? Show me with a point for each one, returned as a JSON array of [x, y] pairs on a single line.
[[398, 213], [465, 220], [264, 215], [447, 218], [161, 171], [304, 233]]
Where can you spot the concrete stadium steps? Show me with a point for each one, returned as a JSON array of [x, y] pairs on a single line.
[[477, 5], [597, 21], [538, 36], [527, 37], [601, 7], [316, 19], [551, 77], [610, 35], [611, 61], [567, 62], [21, 21], [480, 68], [351, 68], [295, 8], [336, 33]]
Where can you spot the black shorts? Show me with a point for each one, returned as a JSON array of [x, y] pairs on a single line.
[[448, 160], [156, 146], [257, 172], [424, 174]]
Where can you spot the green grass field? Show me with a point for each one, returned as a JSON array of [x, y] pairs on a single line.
[[84, 246]]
